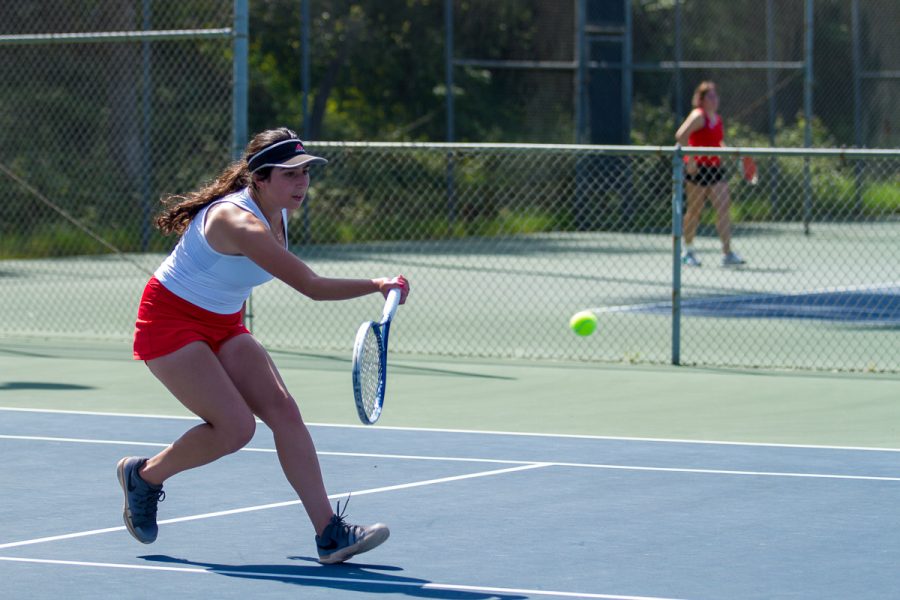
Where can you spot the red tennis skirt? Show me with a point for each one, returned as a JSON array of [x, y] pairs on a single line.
[[167, 322]]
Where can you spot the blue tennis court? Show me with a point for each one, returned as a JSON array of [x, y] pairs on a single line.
[[877, 305], [473, 515]]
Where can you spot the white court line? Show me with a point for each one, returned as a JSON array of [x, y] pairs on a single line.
[[724, 472], [425, 585], [43, 438], [484, 432], [490, 460], [247, 509], [91, 413]]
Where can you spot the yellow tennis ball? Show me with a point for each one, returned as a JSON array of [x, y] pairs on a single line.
[[583, 323]]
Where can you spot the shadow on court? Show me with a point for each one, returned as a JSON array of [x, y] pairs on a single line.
[[348, 577], [42, 385]]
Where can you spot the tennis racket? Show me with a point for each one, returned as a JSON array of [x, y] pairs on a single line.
[[750, 175], [370, 362]]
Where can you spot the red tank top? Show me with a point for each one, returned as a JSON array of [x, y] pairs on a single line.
[[708, 137]]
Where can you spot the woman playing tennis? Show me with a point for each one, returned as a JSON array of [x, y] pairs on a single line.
[[190, 333], [705, 175]]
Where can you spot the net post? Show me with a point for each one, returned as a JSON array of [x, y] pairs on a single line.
[[677, 209]]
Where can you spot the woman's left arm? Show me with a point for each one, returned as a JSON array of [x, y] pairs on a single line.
[[247, 235]]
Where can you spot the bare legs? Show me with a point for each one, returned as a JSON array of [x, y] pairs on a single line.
[[255, 375], [196, 377], [696, 196], [226, 391], [720, 198]]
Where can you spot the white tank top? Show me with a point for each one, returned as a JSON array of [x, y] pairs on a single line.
[[220, 283]]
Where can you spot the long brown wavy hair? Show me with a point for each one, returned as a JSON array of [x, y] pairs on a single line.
[[179, 209]]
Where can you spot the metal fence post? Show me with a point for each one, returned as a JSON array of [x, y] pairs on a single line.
[[239, 84], [677, 205], [627, 74], [306, 62], [239, 97], [448, 70], [773, 108], [679, 56], [581, 60], [147, 113], [856, 53], [808, 75], [451, 114], [306, 82]]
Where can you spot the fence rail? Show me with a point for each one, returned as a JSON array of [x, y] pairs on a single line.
[[504, 242], [112, 36]]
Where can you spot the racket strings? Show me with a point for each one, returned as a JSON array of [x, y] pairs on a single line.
[[370, 370]]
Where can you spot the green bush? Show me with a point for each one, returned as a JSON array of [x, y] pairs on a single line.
[[883, 198]]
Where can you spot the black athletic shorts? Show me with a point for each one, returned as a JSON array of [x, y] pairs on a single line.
[[706, 175]]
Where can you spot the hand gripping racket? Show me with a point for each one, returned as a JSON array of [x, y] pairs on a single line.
[[370, 362]]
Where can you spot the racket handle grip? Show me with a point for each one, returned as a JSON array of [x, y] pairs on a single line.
[[390, 306]]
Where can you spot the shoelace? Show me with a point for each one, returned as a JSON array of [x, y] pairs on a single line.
[[144, 509], [339, 513], [342, 529]]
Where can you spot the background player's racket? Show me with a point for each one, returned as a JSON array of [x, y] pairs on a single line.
[[370, 362], [750, 174]]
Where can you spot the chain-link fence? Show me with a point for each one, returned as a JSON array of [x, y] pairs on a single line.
[[503, 243], [562, 71], [104, 107], [623, 71]]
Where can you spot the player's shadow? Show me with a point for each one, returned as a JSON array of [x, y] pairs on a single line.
[[42, 385], [377, 579]]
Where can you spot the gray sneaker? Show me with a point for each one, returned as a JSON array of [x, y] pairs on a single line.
[[141, 499], [690, 259], [732, 259], [341, 541]]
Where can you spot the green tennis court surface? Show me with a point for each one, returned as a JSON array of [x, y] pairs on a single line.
[[526, 396], [512, 297]]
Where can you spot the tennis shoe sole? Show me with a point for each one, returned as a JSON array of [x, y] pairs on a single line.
[[377, 535]]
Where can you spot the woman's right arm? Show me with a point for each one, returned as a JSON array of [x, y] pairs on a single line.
[[692, 123]]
